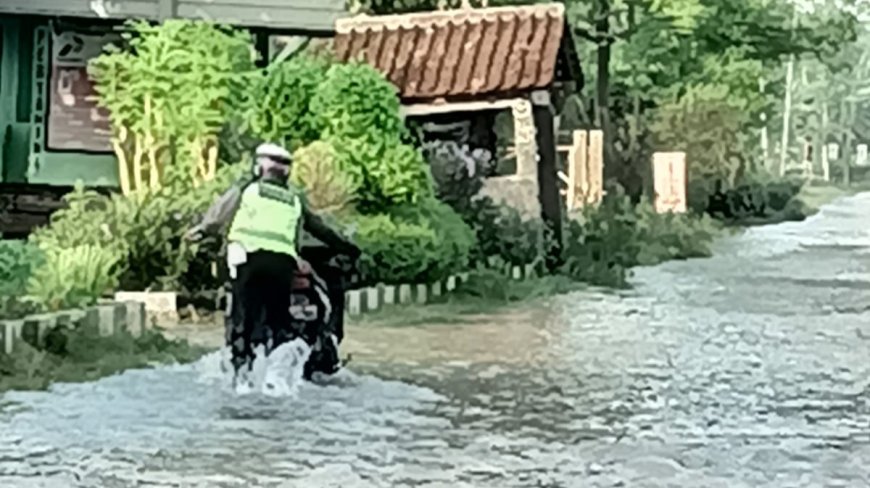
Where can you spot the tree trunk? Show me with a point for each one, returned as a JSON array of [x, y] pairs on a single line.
[[548, 180], [826, 164], [786, 116], [765, 144], [848, 150], [602, 89]]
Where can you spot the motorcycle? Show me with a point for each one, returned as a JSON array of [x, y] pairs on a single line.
[[316, 312], [317, 309]]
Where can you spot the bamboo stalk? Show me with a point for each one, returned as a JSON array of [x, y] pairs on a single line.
[[155, 172], [138, 153], [198, 159], [212, 159], [123, 166]]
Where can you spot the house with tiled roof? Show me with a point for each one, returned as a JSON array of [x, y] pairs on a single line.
[[463, 68], [463, 55]]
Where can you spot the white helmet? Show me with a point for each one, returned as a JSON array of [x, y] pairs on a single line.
[[273, 151]]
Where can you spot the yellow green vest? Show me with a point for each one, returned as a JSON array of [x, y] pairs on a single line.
[[267, 219]]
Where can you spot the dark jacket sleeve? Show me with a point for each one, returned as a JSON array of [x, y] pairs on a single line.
[[220, 214], [314, 225]]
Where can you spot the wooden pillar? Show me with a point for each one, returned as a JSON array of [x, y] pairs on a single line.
[[548, 178], [261, 44]]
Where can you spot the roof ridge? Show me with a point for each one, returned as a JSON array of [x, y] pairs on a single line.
[[443, 17]]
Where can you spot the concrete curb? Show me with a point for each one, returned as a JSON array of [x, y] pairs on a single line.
[[106, 318], [160, 306], [374, 298]]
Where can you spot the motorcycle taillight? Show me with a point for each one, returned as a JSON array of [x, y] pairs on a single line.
[[301, 283]]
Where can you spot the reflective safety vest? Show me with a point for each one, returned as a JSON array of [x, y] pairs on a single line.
[[267, 219]]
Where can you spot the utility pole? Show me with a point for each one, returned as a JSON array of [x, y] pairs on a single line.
[[765, 144], [786, 114], [826, 164]]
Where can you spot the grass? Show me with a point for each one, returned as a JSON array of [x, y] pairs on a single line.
[[81, 357], [485, 292]]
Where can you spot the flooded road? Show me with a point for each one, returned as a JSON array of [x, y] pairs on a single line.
[[750, 369]]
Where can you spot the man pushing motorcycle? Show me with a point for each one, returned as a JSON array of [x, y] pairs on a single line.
[[262, 221]]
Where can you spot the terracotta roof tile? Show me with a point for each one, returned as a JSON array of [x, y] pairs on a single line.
[[458, 52]]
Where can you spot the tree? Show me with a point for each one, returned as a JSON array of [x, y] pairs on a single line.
[[652, 53]]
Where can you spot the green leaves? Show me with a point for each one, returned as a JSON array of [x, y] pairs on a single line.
[[278, 106], [328, 187], [357, 112], [605, 242], [170, 91], [503, 233], [707, 127], [17, 261], [419, 244], [355, 101], [143, 232], [74, 277]]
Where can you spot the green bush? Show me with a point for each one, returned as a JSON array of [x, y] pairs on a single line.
[[419, 244], [279, 107], [357, 111], [503, 233], [145, 231], [328, 188], [355, 101], [758, 199], [604, 243], [74, 277], [18, 259], [493, 285], [87, 219], [387, 174], [458, 172]]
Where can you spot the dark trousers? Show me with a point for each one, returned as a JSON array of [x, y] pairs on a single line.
[[260, 303]]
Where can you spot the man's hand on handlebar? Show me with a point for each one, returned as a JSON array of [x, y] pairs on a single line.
[[344, 262], [303, 266], [194, 234]]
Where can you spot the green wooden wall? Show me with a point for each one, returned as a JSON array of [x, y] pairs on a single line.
[[24, 77], [16, 41]]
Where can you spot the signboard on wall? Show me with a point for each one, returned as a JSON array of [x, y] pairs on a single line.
[[75, 123], [861, 159], [669, 175], [833, 151]]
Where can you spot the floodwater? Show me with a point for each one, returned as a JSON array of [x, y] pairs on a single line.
[[749, 369]]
